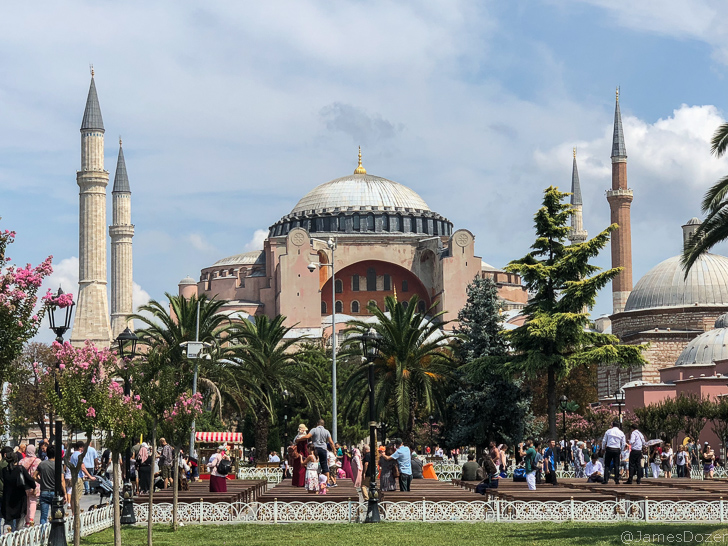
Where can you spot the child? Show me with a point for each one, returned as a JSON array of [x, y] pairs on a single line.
[[323, 488], [341, 473], [311, 463]]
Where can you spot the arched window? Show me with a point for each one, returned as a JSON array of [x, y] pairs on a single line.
[[354, 307], [371, 305], [405, 304], [405, 286], [396, 223], [370, 222], [323, 307], [421, 308], [339, 306], [355, 283], [327, 223], [387, 282], [339, 286], [357, 223], [436, 225], [371, 280]]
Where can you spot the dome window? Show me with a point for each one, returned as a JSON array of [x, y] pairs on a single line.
[[370, 222], [385, 222], [405, 286]]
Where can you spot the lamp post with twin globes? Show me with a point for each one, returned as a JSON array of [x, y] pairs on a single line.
[[370, 342], [127, 342]]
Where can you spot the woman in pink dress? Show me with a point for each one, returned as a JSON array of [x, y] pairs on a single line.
[[346, 463], [31, 463], [299, 469], [356, 468]]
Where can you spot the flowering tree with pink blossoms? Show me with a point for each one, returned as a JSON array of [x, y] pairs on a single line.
[[19, 320], [176, 424]]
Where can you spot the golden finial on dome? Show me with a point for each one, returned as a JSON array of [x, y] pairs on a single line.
[[360, 169]]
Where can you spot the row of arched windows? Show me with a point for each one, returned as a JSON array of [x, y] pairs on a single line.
[[355, 307], [368, 222]]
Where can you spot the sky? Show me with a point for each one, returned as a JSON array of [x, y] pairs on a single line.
[[231, 111]]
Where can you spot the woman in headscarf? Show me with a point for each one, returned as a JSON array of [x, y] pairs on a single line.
[[299, 469], [346, 462], [218, 480], [31, 463], [356, 468], [144, 469], [16, 481]]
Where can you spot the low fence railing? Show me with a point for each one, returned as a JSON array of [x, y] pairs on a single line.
[[91, 522], [440, 511]]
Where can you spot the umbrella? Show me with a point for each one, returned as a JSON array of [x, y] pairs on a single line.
[[655, 442]]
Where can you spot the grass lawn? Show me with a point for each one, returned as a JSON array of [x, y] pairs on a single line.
[[419, 534]]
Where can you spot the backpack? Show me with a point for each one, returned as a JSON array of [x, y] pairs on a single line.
[[224, 467]]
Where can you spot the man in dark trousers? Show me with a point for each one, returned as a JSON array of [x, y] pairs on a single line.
[[613, 443], [636, 442], [551, 457]]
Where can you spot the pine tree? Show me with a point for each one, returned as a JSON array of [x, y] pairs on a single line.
[[555, 338], [480, 321]]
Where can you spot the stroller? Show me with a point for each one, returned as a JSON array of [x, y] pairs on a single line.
[[104, 487]]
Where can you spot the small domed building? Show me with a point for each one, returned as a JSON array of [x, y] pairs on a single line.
[[381, 238], [670, 312]]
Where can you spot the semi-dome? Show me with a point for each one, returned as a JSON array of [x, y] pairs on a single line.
[[361, 192], [665, 284], [705, 349], [246, 258]]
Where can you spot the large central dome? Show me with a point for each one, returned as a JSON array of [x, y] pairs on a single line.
[[665, 284], [360, 192]]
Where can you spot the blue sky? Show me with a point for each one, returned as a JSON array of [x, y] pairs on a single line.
[[231, 112]]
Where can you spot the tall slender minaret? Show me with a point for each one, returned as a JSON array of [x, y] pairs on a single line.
[[92, 309], [577, 234], [620, 200], [121, 232]]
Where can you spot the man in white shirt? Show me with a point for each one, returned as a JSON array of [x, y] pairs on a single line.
[[273, 457], [594, 470], [612, 444], [636, 442]]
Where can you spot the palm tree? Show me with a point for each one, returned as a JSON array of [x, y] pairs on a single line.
[[263, 363], [414, 367], [715, 204]]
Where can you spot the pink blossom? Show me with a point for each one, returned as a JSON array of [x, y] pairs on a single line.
[[91, 412]]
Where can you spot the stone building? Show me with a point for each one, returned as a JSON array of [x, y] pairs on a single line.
[[386, 240]]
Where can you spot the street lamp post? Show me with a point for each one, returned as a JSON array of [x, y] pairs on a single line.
[[331, 244], [619, 398], [60, 320], [371, 340], [286, 396], [564, 402], [127, 341]]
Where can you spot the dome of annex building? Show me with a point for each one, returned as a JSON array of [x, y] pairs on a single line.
[[708, 346], [362, 202], [665, 285], [246, 258]]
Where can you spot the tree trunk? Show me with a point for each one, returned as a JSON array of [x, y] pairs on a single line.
[[551, 394], [115, 500], [151, 488], [261, 437], [175, 492]]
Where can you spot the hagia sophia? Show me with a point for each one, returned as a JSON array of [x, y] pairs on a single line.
[[350, 242]]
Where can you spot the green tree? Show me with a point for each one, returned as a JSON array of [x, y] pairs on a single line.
[[264, 362], [555, 338], [695, 412], [718, 415], [715, 205], [486, 405], [27, 403], [413, 370]]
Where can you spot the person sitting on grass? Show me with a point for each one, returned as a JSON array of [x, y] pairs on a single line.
[[594, 470]]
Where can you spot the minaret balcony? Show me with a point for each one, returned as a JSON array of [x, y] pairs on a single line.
[[620, 193]]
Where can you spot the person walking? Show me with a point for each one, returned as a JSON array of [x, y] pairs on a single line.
[[667, 460], [31, 463], [356, 467], [612, 443], [637, 444], [89, 461], [16, 482], [218, 465], [144, 469], [45, 475], [165, 462], [529, 460], [577, 456], [321, 438], [550, 458]]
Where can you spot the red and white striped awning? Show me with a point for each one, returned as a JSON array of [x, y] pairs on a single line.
[[217, 437]]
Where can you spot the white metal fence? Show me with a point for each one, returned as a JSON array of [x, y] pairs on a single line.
[[440, 511], [91, 522]]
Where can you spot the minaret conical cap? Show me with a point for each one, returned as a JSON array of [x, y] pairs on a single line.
[[92, 115], [618, 148], [575, 186], [121, 181]]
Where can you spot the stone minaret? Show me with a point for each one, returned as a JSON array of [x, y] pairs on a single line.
[[620, 200], [577, 234], [121, 232], [92, 308]]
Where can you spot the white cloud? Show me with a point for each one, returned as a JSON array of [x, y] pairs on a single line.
[[201, 243], [256, 243], [65, 276]]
